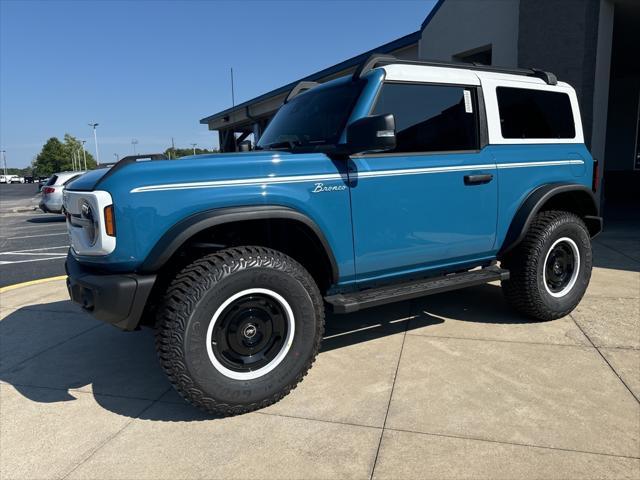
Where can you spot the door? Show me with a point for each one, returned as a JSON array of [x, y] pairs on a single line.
[[432, 202]]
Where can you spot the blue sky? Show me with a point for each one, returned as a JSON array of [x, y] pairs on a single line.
[[151, 69]]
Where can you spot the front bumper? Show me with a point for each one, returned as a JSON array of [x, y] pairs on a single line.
[[118, 299]]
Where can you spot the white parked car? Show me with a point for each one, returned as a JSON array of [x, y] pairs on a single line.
[[51, 201], [11, 179]]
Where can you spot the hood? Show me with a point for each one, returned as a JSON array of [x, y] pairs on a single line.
[[91, 180], [87, 181]]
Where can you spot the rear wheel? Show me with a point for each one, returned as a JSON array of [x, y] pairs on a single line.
[[239, 329], [551, 268]]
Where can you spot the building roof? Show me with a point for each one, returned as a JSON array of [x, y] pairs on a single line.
[[397, 44], [431, 14], [393, 46]]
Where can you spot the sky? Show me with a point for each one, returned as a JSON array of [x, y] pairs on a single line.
[[150, 70]]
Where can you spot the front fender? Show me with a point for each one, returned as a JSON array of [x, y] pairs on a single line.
[[185, 229]]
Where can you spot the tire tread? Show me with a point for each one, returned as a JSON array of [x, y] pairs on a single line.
[[521, 290], [181, 299]]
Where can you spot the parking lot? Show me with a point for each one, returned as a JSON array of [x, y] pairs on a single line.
[[450, 386], [33, 244]]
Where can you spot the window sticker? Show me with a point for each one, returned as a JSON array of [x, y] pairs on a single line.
[[467, 102], [430, 118]]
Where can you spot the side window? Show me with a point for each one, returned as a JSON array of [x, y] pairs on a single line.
[[526, 113], [431, 118]]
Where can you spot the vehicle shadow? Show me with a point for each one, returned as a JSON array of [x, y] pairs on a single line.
[[480, 304], [121, 370], [48, 218]]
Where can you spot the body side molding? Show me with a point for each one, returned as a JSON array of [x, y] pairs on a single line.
[[534, 203], [179, 233]]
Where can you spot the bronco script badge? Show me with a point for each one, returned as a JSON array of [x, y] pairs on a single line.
[[321, 187]]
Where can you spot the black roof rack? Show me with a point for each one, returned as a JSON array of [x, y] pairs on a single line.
[[377, 60]]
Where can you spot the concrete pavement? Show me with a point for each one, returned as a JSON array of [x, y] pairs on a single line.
[[450, 386]]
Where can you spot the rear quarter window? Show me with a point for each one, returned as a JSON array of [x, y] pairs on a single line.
[[527, 113], [52, 180]]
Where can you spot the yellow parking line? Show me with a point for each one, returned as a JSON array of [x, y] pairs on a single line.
[[31, 282]]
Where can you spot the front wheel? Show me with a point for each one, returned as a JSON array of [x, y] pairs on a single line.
[[239, 329], [550, 269]]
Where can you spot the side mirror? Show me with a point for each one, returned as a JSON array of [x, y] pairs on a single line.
[[372, 134]]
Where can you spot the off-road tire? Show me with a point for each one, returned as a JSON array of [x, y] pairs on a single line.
[[200, 289], [525, 290]]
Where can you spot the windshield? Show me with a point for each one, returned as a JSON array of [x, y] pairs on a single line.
[[314, 118]]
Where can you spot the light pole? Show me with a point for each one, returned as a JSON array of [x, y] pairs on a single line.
[[84, 155], [194, 147], [4, 162], [95, 139], [134, 142]]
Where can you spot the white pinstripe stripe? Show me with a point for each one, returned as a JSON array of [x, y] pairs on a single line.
[[248, 182], [421, 171], [540, 164]]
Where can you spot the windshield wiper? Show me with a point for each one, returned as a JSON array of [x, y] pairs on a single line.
[[285, 144]]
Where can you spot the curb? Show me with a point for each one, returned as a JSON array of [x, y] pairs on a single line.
[[24, 209], [31, 282], [19, 209]]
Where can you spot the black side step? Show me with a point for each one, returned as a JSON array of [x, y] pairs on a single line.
[[352, 302]]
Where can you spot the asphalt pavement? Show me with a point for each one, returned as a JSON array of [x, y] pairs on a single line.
[[16, 195], [33, 244]]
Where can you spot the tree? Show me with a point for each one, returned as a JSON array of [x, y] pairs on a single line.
[[183, 152], [57, 156], [51, 159], [21, 172], [73, 145]]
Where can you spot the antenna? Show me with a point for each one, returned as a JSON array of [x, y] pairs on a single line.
[[233, 98]]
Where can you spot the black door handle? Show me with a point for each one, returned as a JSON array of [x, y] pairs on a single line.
[[478, 179]]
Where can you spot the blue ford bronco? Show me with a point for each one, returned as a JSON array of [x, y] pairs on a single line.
[[402, 180]]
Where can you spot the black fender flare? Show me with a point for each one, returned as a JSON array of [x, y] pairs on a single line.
[[182, 231], [534, 203]]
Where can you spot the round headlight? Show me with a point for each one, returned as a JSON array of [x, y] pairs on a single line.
[[90, 225]]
